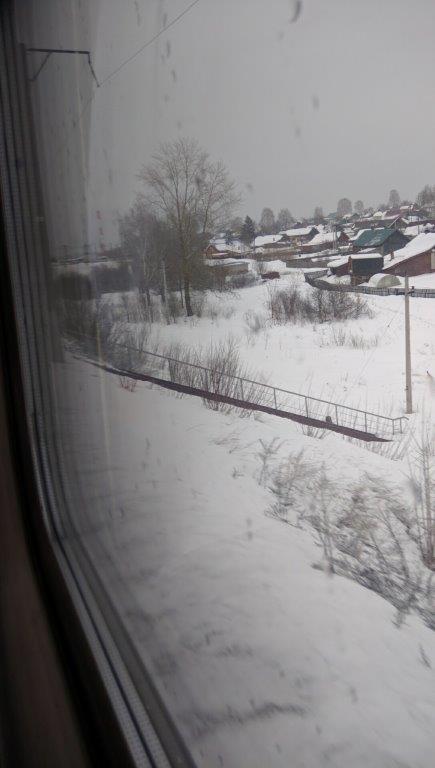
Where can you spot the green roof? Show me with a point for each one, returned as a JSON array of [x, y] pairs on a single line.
[[372, 238]]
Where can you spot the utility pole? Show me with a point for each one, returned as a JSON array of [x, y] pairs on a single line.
[[408, 387], [165, 287]]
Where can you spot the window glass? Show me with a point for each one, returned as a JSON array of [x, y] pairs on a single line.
[[237, 284]]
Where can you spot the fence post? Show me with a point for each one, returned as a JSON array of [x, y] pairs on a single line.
[[241, 389], [365, 420], [306, 406], [336, 415], [274, 398]]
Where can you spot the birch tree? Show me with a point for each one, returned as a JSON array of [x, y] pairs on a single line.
[[194, 194]]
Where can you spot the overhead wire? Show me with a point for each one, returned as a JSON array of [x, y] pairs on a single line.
[[136, 53], [100, 84]]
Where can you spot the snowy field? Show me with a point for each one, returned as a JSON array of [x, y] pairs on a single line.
[[264, 657], [358, 362], [287, 621]]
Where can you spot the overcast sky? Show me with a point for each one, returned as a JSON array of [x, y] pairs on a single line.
[[338, 103]]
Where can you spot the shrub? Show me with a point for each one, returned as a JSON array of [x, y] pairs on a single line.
[[290, 305], [241, 281], [214, 310], [217, 370], [255, 322], [339, 337], [173, 309]]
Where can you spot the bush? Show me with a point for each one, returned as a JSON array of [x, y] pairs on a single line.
[[217, 370], [339, 337], [255, 322], [214, 310], [242, 281], [319, 306], [173, 309]]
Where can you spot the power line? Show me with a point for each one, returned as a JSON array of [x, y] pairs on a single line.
[[119, 67], [149, 42]]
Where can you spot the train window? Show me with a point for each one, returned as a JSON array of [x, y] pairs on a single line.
[[225, 298]]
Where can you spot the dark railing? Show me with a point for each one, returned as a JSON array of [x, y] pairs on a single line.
[[128, 358]]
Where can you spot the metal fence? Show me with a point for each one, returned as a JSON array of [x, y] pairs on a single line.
[[315, 280], [128, 359]]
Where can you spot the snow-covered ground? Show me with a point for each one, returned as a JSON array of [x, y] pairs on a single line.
[[262, 656], [365, 368], [222, 576]]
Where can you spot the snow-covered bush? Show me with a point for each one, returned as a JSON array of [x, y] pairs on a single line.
[[255, 322], [291, 305], [242, 281], [215, 310], [339, 337], [423, 490], [289, 483], [367, 533]]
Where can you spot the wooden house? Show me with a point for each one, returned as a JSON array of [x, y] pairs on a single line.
[[416, 258]]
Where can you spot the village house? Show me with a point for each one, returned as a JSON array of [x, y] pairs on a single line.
[[268, 241], [220, 246], [213, 252], [339, 267], [382, 240], [298, 235], [416, 258], [363, 266], [325, 241]]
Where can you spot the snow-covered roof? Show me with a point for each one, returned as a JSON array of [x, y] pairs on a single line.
[[299, 232], [274, 266], [360, 231], [224, 262], [338, 262], [420, 244], [324, 237], [221, 245], [336, 279], [261, 240], [412, 231], [417, 229]]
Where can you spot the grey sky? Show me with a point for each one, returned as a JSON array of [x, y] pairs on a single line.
[[339, 103]]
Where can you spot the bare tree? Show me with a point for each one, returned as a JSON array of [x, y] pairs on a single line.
[[267, 221], [393, 199], [318, 214], [344, 207], [284, 220], [358, 207], [194, 194], [138, 230]]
